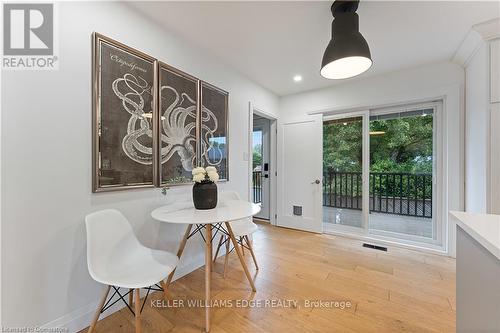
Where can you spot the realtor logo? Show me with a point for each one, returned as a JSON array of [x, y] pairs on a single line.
[[28, 36]]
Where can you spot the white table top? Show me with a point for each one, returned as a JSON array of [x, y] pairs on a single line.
[[185, 213], [484, 228]]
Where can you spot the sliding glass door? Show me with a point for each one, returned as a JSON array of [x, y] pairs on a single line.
[[343, 161], [402, 173], [381, 174]]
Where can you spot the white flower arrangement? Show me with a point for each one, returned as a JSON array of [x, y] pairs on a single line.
[[201, 174]]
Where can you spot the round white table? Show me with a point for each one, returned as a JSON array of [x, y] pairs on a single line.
[[225, 212]]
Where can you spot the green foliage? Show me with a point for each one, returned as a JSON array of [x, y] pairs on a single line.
[[405, 145], [402, 145], [257, 155], [342, 146]]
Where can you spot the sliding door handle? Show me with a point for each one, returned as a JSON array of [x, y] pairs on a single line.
[[317, 182]]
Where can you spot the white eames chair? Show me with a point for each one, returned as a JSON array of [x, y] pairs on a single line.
[[242, 229], [117, 259]]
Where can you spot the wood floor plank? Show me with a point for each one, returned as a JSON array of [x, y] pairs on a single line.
[[400, 290]]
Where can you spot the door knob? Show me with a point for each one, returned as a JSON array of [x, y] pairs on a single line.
[[317, 182]]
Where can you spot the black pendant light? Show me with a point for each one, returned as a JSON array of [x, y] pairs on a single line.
[[347, 54]]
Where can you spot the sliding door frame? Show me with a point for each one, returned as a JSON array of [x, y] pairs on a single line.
[[438, 242]]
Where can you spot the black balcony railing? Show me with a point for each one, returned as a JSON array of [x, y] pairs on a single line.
[[257, 186], [407, 194]]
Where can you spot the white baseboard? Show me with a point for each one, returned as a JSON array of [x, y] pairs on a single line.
[[81, 318]]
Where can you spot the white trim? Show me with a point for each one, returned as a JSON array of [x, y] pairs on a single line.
[[361, 107], [477, 35], [1, 224], [488, 29], [404, 108], [81, 318], [468, 48], [273, 157], [384, 240]]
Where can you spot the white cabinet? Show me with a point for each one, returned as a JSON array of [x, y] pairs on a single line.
[[495, 71], [482, 127], [494, 205]]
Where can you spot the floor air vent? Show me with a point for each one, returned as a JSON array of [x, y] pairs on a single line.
[[376, 247]]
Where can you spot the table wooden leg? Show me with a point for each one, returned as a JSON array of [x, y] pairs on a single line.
[[179, 254], [237, 248], [137, 310], [208, 269]]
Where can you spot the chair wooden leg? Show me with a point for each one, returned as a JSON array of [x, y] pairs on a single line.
[[131, 297], [251, 252], [99, 308], [242, 261], [218, 247], [137, 311], [179, 254], [226, 258], [242, 248]]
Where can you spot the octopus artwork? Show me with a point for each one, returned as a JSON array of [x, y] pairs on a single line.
[[178, 129], [137, 143], [211, 153], [178, 125], [213, 131], [152, 123]]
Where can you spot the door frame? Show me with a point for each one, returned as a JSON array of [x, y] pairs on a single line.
[[273, 157]]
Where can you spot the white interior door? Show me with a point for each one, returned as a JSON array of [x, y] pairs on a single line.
[[300, 175]]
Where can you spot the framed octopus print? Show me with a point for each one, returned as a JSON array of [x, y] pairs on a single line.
[[178, 124], [214, 129], [124, 116]]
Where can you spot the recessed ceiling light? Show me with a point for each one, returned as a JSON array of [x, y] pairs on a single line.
[[297, 78]]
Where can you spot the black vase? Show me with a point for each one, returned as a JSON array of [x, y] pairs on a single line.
[[205, 195]]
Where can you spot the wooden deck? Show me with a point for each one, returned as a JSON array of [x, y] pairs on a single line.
[[395, 291], [407, 225]]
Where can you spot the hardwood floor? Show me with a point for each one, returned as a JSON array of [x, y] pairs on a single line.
[[395, 291]]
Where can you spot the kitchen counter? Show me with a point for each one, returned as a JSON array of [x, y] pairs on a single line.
[[484, 228], [478, 272]]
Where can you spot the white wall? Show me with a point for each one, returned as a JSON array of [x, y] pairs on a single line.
[[477, 131], [442, 80], [46, 165]]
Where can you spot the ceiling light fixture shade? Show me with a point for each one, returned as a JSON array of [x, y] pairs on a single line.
[[348, 53]]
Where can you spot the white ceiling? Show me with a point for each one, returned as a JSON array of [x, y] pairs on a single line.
[[270, 42]]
